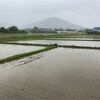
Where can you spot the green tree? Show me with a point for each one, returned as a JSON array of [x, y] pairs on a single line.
[[3, 30], [13, 29], [35, 29]]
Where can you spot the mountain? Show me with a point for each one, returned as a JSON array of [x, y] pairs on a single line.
[[54, 22], [5, 25]]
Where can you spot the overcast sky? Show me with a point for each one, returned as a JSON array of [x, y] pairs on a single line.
[[21, 12]]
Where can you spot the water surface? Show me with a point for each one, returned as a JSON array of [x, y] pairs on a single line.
[[61, 74], [10, 50], [64, 42]]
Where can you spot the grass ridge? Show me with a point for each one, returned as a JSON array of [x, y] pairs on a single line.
[[19, 56]]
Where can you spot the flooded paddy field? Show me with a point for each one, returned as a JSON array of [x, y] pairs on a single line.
[[10, 50], [65, 42], [59, 74]]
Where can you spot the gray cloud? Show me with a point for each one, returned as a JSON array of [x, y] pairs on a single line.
[[20, 12]]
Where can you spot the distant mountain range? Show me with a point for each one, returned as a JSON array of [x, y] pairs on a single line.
[[54, 22]]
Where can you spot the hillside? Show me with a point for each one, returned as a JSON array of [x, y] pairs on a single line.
[[54, 22]]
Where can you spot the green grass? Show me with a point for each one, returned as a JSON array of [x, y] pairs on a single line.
[[79, 47], [6, 38], [18, 37], [19, 56], [30, 44]]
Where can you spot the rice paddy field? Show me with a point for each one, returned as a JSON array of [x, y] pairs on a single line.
[[53, 72], [64, 42], [59, 74], [10, 50]]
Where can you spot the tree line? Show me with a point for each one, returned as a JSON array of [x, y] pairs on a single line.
[[92, 32], [48, 30], [42, 30], [15, 29], [12, 29]]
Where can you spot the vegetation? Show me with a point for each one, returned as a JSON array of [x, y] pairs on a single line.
[[48, 30], [41, 30], [30, 44], [12, 29], [91, 32], [79, 47], [18, 37]]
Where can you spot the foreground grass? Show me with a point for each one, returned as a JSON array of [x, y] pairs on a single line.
[[19, 56]]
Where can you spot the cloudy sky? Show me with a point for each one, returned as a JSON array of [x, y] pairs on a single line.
[[21, 12]]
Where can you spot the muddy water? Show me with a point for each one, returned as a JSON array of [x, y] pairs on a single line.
[[64, 42], [60, 74], [10, 50]]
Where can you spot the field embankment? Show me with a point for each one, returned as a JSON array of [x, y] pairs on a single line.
[[19, 56]]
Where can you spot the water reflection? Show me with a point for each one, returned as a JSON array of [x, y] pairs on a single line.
[[10, 50]]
